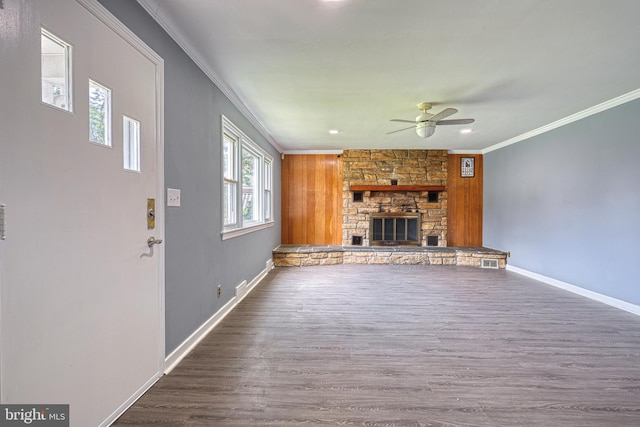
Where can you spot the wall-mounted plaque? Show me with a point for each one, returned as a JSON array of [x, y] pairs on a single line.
[[467, 169]]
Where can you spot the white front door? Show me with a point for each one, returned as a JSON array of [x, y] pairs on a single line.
[[81, 292]]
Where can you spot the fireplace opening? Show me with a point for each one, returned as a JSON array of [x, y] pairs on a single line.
[[394, 228], [432, 240]]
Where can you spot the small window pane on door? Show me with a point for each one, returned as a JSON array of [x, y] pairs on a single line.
[[55, 60], [131, 144], [99, 114]]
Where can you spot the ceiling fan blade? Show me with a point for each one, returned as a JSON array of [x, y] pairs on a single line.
[[403, 121], [399, 130], [443, 114], [455, 122]]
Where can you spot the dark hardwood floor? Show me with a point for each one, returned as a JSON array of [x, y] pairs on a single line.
[[393, 345]]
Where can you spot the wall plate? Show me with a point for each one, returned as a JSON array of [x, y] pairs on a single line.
[[173, 197]]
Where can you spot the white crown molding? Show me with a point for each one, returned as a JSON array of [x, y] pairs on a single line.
[[313, 152], [465, 152], [152, 9], [613, 302], [570, 119]]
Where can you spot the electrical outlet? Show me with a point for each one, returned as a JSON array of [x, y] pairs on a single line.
[[219, 291], [509, 254]]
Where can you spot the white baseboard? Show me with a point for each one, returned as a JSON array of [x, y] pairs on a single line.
[[198, 335], [187, 345], [613, 302], [130, 401]]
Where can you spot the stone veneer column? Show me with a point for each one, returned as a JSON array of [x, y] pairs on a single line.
[[408, 167]]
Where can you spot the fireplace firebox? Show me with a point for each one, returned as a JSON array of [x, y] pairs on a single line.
[[394, 228]]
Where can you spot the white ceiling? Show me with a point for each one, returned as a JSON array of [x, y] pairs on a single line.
[[302, 67]]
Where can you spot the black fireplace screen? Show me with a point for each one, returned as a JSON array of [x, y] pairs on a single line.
[[394, 229]]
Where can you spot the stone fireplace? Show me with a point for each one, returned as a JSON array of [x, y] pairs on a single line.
[[400, 184]]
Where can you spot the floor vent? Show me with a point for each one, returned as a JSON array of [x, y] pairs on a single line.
[[489, 263]]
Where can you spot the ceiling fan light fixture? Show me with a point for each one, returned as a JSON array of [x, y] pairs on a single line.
[[423, 117], [425, 130], [425, 123]]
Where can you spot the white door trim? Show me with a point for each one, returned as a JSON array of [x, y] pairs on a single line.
[[126, 34]]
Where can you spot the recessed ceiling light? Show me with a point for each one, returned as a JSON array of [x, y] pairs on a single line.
[[466, 131], [334, 131]]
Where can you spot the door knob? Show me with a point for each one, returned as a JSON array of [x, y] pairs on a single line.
[[153, 241]]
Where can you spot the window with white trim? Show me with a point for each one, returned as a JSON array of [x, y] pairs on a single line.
[[247, 176], [229, 178], [268, 197], [251, 200]]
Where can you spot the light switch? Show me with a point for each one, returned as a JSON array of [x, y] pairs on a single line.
[[173, 197]]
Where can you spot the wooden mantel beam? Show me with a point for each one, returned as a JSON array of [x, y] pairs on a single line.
[[397, 188]]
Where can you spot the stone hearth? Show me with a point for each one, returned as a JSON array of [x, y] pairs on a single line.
[[307, 255]]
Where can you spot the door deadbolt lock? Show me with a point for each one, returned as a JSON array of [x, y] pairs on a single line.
[[151, 214]]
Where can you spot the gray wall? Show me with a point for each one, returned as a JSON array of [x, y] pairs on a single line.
[[196, 257], [566, 203]]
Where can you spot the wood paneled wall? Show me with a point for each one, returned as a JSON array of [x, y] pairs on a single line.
[[312, 199], [464, 209]]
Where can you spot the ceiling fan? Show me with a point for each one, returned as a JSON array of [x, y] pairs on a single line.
[[425, 124]]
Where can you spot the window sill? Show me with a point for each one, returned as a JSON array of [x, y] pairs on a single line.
[[230, 234]]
